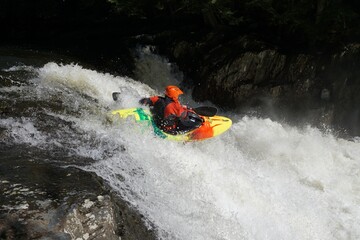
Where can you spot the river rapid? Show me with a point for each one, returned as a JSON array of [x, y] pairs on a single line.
[[260, 180]]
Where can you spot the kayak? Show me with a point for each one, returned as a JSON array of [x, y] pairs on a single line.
[[211, 127]]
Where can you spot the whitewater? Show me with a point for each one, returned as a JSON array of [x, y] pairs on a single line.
[[260, 180]]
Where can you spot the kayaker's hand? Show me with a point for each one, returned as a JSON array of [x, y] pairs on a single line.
[[145, 101]]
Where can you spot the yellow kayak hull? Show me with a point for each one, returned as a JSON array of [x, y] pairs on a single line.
[[212, 126]]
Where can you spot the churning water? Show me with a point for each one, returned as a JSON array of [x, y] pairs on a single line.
[[260, 180]]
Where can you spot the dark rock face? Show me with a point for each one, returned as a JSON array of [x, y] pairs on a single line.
[[344, 78], [44, 201], [246, 74]]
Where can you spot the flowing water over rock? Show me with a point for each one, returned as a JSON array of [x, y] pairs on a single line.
[[260, 180]]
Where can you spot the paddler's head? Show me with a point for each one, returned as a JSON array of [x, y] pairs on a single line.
[[173, 92]]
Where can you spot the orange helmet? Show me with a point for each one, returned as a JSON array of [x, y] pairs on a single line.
[[173, 92]]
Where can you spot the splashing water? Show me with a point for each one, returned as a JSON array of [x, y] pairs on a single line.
[[260, 180]]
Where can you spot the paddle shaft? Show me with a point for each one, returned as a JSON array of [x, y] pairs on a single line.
[[204, 110]]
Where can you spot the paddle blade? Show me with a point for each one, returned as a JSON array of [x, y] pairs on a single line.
[[206, 111], [115, 95]]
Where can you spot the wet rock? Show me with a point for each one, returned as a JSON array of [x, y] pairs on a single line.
[[29, 214], [42, 200], [92, 220], [245, 74], [325, 94]]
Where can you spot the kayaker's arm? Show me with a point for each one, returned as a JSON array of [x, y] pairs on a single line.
[[149, 101], [145, 101]]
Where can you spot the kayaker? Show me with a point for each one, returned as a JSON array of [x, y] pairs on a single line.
[[169, 115]]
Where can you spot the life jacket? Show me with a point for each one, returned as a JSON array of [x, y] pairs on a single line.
[[174, 118], [158, 111]]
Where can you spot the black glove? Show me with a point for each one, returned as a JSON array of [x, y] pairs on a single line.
[[145, 101], [190, 119]]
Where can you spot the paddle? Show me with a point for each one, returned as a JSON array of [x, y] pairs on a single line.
[[115, 95], [206, 111]]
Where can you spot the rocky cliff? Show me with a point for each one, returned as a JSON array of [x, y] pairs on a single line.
[[245, 74]]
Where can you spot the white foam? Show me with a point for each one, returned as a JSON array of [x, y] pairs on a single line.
[[96, 85], [284, 183], [260, 180], [23, 131], [19, 68]]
